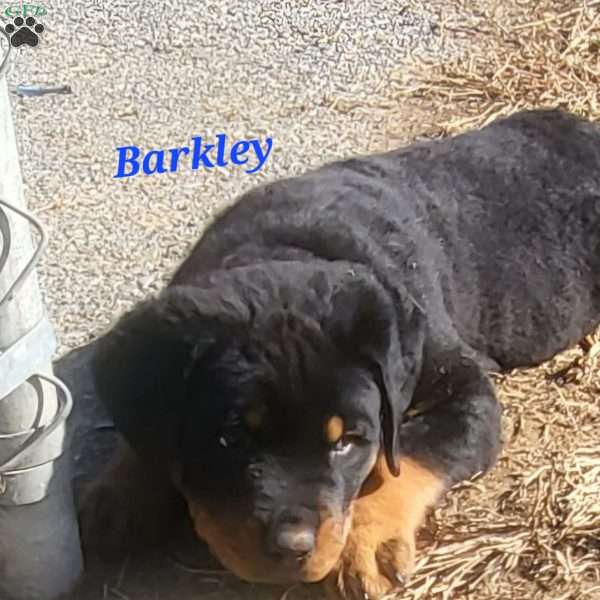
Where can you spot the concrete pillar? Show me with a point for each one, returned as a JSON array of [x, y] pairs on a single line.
[[40, 556]]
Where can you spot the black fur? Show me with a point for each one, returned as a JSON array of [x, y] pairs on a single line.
[[424, 267]]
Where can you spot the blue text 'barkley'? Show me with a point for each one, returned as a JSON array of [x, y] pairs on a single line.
[[251, 153]]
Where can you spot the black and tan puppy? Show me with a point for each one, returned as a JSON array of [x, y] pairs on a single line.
[[315, 375]]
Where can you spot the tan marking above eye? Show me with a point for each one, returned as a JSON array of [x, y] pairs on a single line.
[[334, 429]]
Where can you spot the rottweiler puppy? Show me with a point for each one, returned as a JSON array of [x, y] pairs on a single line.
[[315, 375]]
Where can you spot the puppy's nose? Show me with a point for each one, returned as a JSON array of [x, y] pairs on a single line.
[[294, 541]]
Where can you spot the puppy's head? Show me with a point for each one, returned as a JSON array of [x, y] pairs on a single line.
[[268, 399]]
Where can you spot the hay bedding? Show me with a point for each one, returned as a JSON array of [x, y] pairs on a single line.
[[531, 528], [514, 58]]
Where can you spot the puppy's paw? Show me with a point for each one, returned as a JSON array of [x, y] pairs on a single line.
[[379, 554], [371, 567]]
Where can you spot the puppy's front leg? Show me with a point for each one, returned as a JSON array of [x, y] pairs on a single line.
[[456, 437], [130, 507], [380, 550]]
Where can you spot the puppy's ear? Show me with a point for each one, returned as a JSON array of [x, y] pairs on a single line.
[[141, 364], [388, 335]]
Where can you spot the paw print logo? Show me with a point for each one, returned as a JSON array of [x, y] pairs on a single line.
[[24, 31]]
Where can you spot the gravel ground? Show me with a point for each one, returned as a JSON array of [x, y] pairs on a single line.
[[304, 72], [153, 74]]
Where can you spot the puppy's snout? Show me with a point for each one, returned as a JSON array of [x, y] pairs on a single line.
[[295, 541], [292, 536]]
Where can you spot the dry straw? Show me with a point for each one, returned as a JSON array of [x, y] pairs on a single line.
[[516, 58], [530, 529]]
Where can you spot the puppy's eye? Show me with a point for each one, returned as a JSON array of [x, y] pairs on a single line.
[[226, 441], [347, 442], [232, 432]]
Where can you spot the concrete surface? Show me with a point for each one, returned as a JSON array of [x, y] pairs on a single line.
[[153, 74]]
